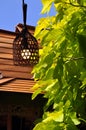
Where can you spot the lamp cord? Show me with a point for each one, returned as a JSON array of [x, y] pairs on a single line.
[[24, 6]]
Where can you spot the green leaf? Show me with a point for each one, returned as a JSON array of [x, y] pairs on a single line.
[[74, 118], [70, 125], [52, 125], [61, 70], [38, 91], [46, 5], [56, 116], [58, 71]]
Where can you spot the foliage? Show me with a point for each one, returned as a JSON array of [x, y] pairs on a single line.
[[61, 71]]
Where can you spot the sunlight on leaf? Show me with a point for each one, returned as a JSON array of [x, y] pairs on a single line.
[[56, 116]]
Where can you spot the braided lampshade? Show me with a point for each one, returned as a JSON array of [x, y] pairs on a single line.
[[25, 49]]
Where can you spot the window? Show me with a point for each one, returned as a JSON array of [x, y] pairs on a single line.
[[21, 123], [15, 123], [3, 122]]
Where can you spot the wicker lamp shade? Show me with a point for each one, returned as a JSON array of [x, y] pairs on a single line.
[[25, 46], [25, 49]]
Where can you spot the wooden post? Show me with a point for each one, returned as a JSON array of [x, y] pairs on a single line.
[[9, 122]]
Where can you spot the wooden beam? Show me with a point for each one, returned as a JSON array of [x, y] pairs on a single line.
[[18, 85], [7, 56], [5, 61], [6, 50], [6, 45], [8, 40], [16, 69], [17, 74], [5, 80]]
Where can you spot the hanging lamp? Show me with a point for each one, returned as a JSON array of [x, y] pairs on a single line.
[[25, 46]]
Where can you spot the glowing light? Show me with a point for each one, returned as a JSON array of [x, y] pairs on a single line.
[[25, 53]]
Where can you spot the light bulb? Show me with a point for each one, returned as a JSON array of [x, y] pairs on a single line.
[[25, 53]]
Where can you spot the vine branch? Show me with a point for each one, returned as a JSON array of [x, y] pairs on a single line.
[[75, 58], [76, 5]]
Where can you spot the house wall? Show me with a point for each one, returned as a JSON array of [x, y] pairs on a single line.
[[18, 108], [7, 67]]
